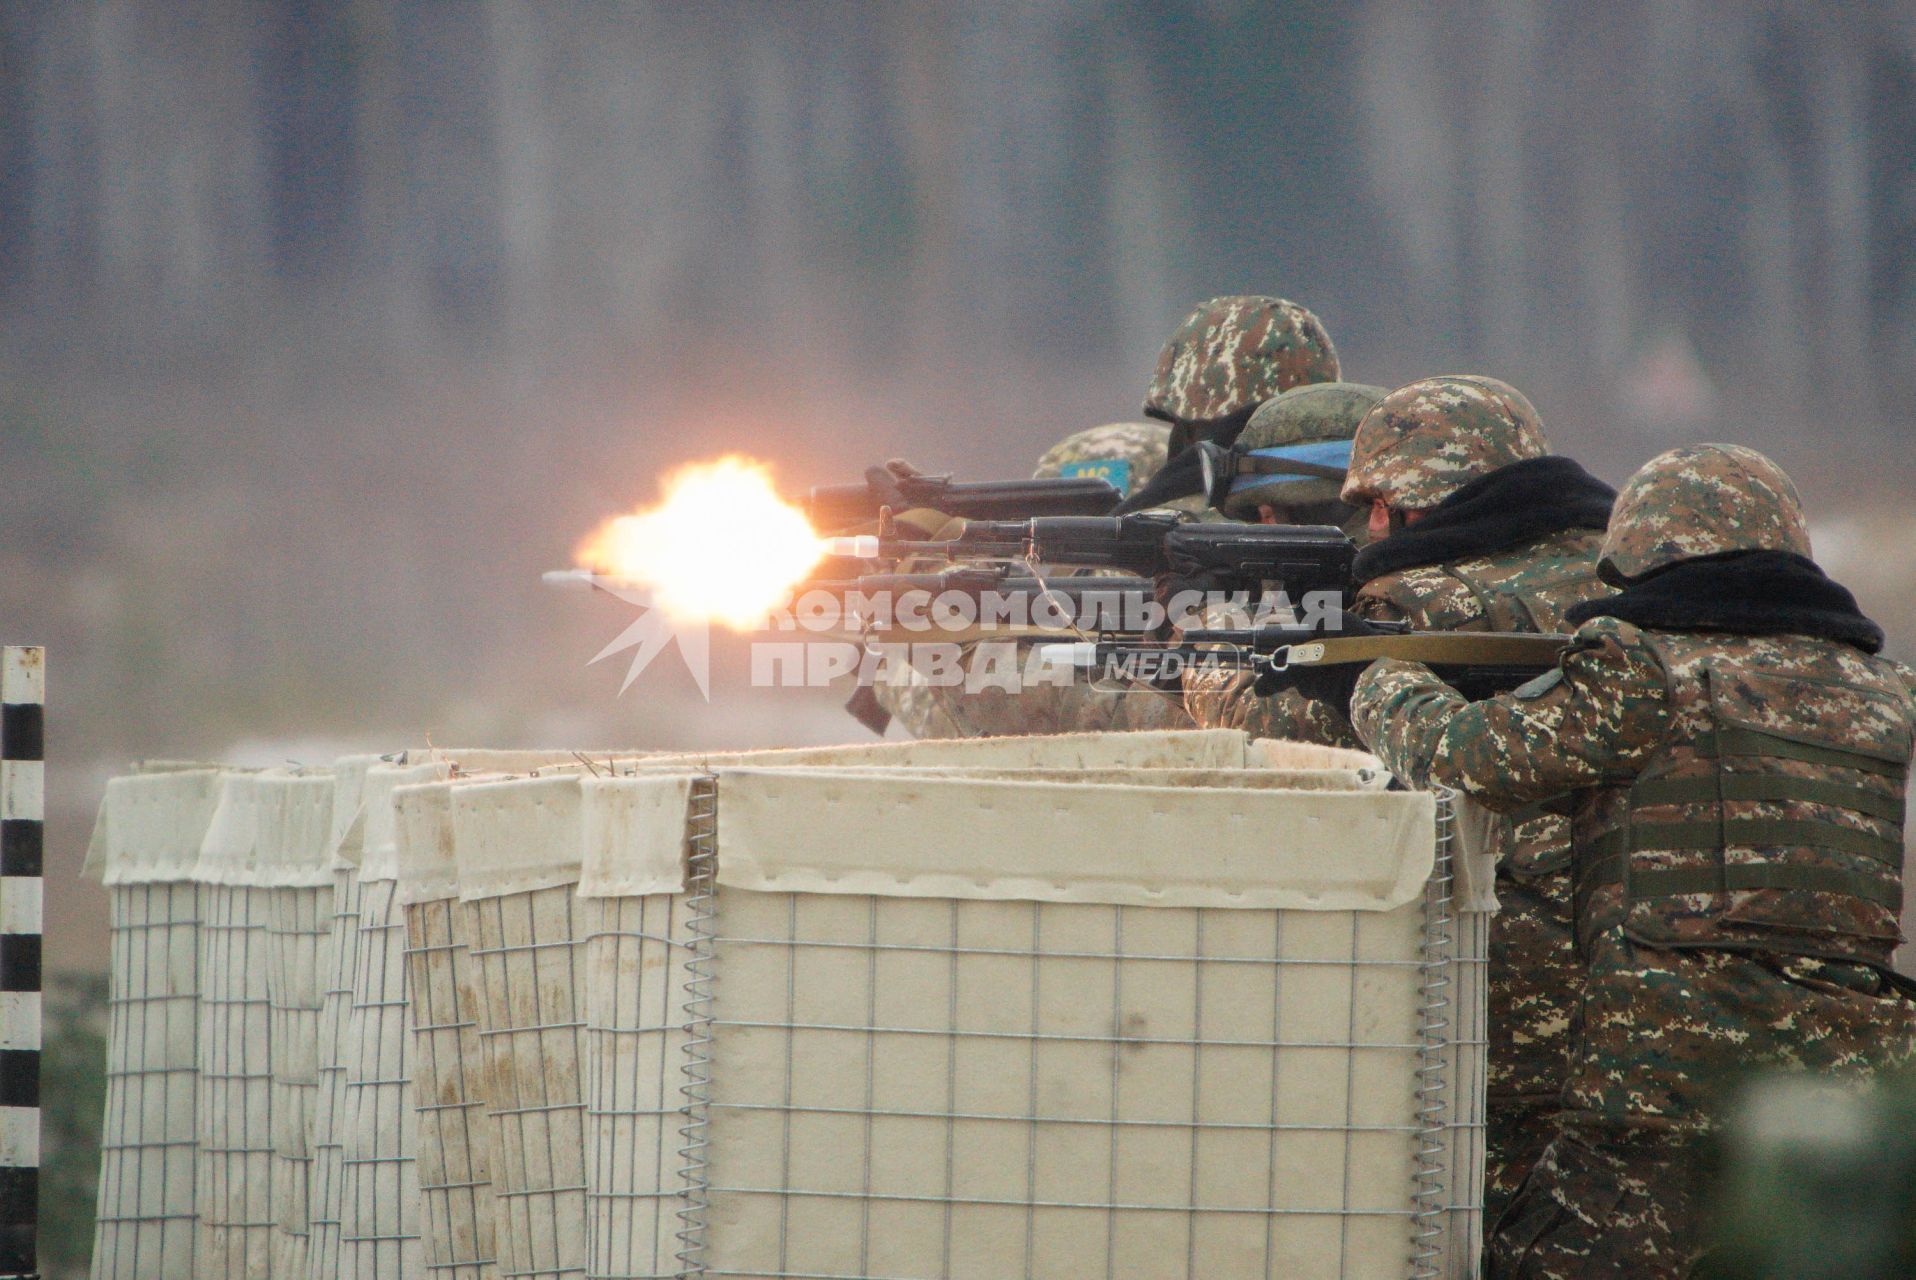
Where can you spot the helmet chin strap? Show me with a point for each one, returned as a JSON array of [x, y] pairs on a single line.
[[1398, 520]]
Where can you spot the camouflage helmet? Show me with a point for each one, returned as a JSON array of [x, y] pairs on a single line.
[[1700, 500], [1233, 353], [1127, 454], [1324, 413], [1423, 442]]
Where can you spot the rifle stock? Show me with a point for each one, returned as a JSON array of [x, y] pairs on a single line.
[[1480, 664]]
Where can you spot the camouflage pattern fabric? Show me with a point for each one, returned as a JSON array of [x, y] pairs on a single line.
[[1701, 500], [1661, 1027], [1223, 700], [1534, 974], [1664, 1034], [915, 705], [1232, 353], [1423, 442], [1043, 708]]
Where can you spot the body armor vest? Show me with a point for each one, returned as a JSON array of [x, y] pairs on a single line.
[[1772, 817]]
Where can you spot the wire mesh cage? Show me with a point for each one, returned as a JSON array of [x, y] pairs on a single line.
[[235, 1168], [517, 891], [339, 958], [1132, 1005], [144, 848], [295, 822], [817, 1054], [457, 1204], [379, 1199]]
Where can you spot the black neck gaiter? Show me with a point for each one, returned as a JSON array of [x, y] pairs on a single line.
[[1511, 507], [1753, 593]]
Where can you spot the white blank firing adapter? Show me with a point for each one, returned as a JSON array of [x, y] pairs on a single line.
[[862, 547], [568, 577], [1079, 656]]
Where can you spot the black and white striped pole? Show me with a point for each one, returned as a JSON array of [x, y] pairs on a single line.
[[22, 716]]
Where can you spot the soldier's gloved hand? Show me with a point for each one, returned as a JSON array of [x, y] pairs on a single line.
[[883, 482], [1333, 684], [1183, 595], [925, 524]]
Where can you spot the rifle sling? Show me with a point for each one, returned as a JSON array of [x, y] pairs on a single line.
[[1434, 648]]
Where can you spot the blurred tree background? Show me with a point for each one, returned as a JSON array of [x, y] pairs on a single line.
[[328, 325]]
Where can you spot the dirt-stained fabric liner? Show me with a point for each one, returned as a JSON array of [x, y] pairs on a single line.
[[517, 846], [458, 1207]]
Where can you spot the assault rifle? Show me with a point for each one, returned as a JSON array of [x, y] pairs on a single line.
[[987, 586], [1479, 664], [838, 506], [989, 601], [1302, 558]]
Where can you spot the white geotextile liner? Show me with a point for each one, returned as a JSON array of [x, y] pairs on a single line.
[[234, 1199], [457, 1204], [518, 849], [1278, 753], [1466, 1074], [301, 919], [1199, 748], [910, 1087], [905, 834], [338, 957], [379, 1177], [145, 841], [151, 825], [294, 853], [237, 1221], [528, 834], [524, 947], [379, 1198], [149, 1143], [635, 1035]]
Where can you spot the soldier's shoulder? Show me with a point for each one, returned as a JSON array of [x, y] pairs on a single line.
[[1569, 554]]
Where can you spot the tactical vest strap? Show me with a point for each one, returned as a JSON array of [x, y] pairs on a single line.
[[1766, 787], [1754, 833], [1675, 881], [1739, 741]]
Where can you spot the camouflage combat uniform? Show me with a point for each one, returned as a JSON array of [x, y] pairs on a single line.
[[1127, 454], [1421, 444], [1736, 806], [1318, 412]]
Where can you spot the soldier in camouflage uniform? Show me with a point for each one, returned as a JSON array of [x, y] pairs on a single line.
[[1734, 758], [1230, 355], [1312, 425], [1428, 449], [1127, 454]]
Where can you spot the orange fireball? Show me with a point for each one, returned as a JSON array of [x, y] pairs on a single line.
[[722, 546]]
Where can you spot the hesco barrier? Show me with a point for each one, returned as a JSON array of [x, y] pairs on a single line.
[[1102, 1005]]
